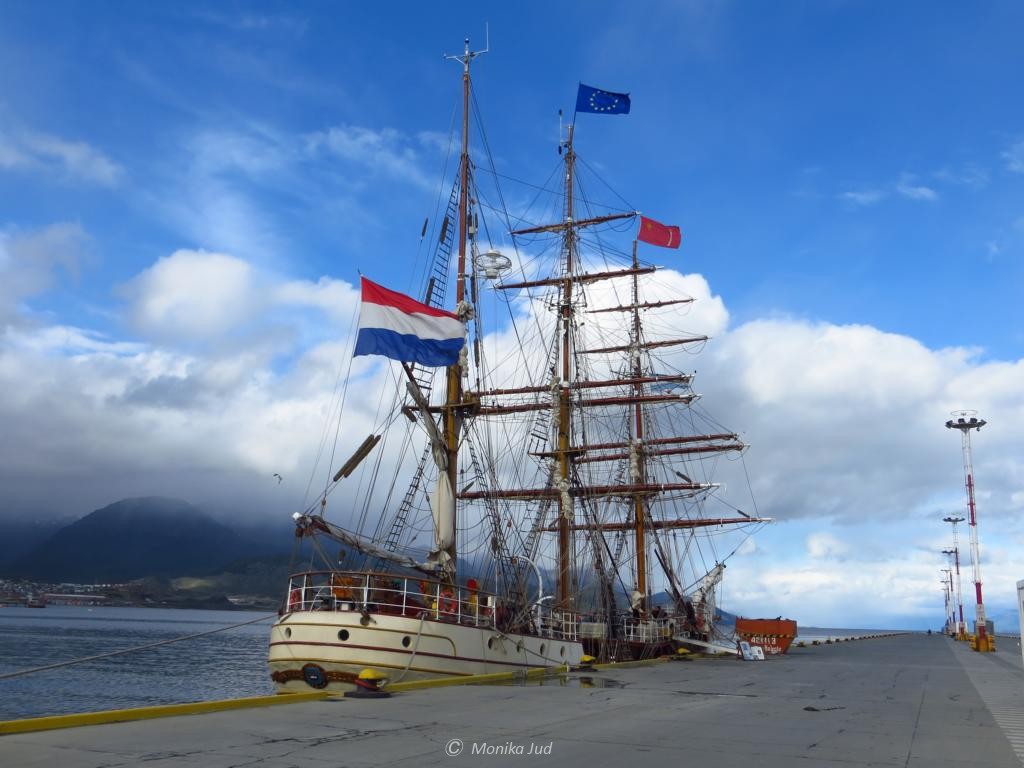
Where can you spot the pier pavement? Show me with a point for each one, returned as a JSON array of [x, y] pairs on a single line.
[[907, 700]]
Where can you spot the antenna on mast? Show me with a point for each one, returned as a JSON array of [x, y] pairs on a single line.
[[468, 55]]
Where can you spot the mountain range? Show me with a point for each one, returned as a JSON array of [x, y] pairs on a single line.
[[132, 539]]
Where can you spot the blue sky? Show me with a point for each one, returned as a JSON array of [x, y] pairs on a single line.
[[849, 177], [837, 160]]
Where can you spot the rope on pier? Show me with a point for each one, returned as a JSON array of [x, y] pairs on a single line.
[[58, 665]]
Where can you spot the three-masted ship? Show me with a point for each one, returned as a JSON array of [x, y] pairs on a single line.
[[559, 465]]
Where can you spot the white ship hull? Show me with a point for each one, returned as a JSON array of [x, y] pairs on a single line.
[[328, 649]]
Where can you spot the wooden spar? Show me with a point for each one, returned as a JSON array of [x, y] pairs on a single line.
[[641, 305], [646, 345], [586, 491], [593, 402], [659, 441], [652, 441], [694, 449], [682, 378], [589, 277], [356, 458], [569, 224], [668, 524]]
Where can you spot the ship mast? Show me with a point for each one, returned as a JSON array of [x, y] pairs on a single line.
[[637, 461], [454, 393], [565, 501]]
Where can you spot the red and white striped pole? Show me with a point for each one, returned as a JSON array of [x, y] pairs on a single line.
[[965, 421]]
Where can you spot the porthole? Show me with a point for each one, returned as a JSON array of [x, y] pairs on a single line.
[[561, 651], [406, 641], [542, 649], [343, 635], [519, 647], [490, 643], [287, 632]]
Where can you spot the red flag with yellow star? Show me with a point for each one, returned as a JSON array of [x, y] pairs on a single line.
[[663, 235]]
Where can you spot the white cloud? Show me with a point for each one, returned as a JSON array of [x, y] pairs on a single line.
[[198, 296], [969, 175], [823, 545], [283, 23], [334, 297], [192, 294], [28, 262], [864, 197], [907, 187], [1014, 157], [848, 451], [225, 189], [69, 340], [257, 153], [58, 156], [385, 150]]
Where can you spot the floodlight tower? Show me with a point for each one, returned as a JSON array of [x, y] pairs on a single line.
[[947, 589], [965, 421], [961, 627]]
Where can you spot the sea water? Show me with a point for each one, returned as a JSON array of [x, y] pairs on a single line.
[[821, 634], [226, 664]]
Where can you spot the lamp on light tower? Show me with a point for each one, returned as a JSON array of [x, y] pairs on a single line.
[[965, 421]]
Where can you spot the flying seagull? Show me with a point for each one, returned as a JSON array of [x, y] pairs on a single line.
[[279, 478]]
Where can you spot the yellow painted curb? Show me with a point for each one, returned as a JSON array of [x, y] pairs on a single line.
[[28, 725]]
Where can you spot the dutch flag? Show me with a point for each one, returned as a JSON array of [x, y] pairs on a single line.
[[393, 325]]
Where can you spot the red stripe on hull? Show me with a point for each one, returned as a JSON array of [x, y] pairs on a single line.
[[405, 651]]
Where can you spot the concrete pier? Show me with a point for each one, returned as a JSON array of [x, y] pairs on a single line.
[[909, 700]]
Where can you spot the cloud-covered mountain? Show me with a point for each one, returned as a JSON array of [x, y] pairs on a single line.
[[135, 538]]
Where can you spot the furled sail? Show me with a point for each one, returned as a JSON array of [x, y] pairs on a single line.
[[442, 505], [307, 524], [442, 502]]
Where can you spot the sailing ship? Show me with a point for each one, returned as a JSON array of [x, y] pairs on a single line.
[[560, 463]]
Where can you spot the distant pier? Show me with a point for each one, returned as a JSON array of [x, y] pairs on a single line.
[[905, 700]]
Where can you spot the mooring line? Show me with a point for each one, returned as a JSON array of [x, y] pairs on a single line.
[[60, 664]]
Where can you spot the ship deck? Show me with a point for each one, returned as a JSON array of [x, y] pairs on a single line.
[[906, 700]]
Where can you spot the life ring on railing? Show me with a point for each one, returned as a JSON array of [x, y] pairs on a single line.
[[294, 599], [341, 587]]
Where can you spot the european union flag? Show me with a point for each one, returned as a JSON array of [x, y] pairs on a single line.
[[603, 102]]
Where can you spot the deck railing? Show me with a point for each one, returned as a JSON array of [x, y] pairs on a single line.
[[368, 592], [648, 630]]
